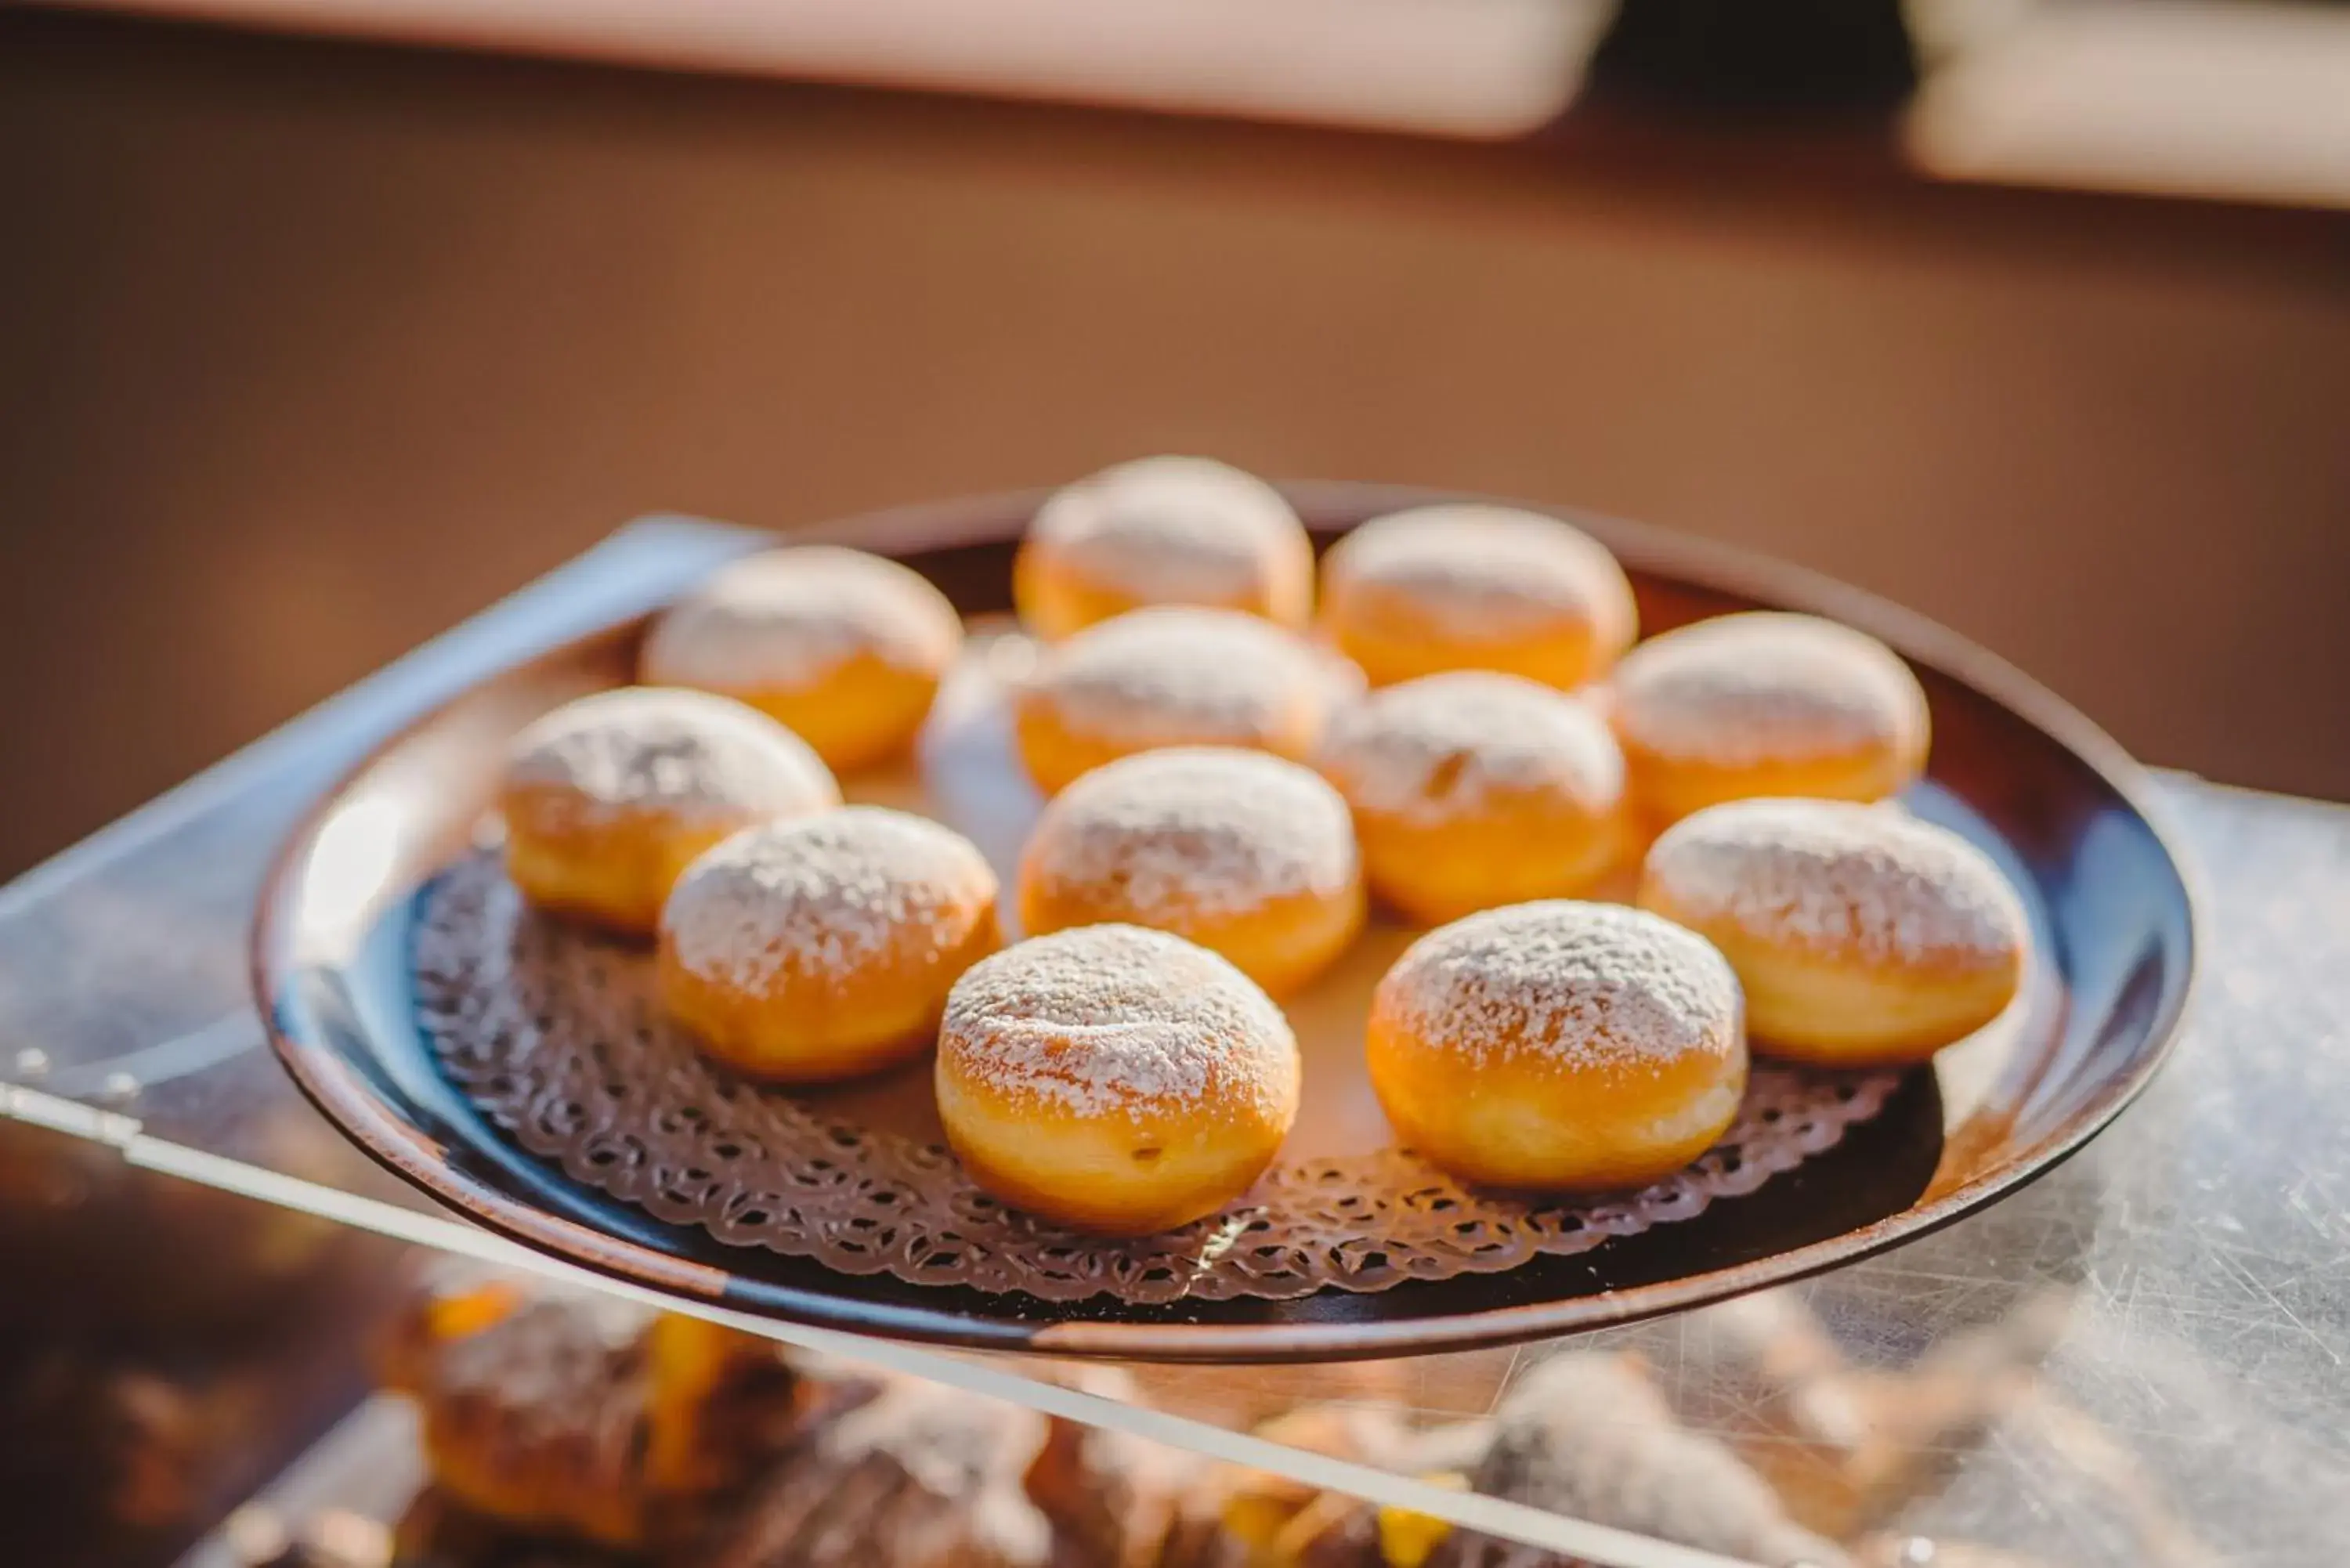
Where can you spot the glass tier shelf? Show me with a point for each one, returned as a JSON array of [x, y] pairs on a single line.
[[2142, 1359]]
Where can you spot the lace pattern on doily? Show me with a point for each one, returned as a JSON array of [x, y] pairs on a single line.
[[557, 1037]]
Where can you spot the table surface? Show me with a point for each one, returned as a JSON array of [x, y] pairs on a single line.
[[2141, 1359]]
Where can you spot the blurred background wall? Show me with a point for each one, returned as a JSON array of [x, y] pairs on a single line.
[[309, 350]]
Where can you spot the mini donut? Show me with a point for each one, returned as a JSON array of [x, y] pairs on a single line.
[[1162, 530], [1864, 935], [1174, 676], [843, 649], [1246, 854], [1118, 1080], [1767, 704], [1474, 788], [607, 798], [1472, 586], [822, 948], [1559, 1046]]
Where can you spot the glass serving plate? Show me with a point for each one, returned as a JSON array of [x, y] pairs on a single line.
[[2012, 768]]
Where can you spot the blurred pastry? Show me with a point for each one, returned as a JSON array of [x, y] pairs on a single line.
[[1118, 1080], [555, 1411], [1465, 585], [922, 1476], [1246, 854], [1861, 935], [1175, 677], [1162, 530], [1587, 1437], [823, 948], [1558, 1046], [607, 798], [1111, 1496], [1235, 1517], [843, 649], [1767, 704], [1474, 789]]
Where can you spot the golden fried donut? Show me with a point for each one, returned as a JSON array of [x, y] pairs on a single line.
[[1465, 585], [1474, 788], [1246, 854], [843, 649], [1174, 676], [607, 798], [1862, 936], [1162, 530], [1118, 1080], [1558, 1046], [1767, 704], [822, 948]]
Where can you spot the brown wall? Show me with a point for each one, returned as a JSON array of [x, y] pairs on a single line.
[[307, 351]]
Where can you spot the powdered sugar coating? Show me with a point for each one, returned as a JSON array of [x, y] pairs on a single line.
[[1479, 571], [1741, 689], [690, 755], [825, 896], [1868, 882], [1177, 530], [1118, 1019], [1444, 747], [1204, 830], [1169, 674], [787, 619], [1580, 985]]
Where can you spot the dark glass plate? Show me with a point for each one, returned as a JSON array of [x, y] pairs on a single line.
[[2056, 802]]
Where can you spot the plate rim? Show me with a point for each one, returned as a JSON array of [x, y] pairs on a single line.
[[354, 1109]]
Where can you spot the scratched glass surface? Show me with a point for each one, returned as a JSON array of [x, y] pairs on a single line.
[[2142, 1359]]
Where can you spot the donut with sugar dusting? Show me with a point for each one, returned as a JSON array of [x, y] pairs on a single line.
[[823, 948], [1559, 1046], [1118, 1080], [1466, 586], [1162, 530], [843, 649], [1474, 788], [1174, 675], [1864, 937], [607, 798], [1246, 854], [1766, 704]]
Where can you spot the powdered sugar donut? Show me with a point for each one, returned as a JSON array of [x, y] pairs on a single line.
[[607, 798], [1246, 854], [843, 649], [1767, 704], [823, 948], [1474, 788], [1175, 676], [1864, 935], [1559, 1046], [1162, 530], [1472, 586], [1118, 1080]]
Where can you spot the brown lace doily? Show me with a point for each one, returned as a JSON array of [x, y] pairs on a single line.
[[556, 1035]]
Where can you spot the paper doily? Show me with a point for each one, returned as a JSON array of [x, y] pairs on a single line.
[[556, 1036]]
